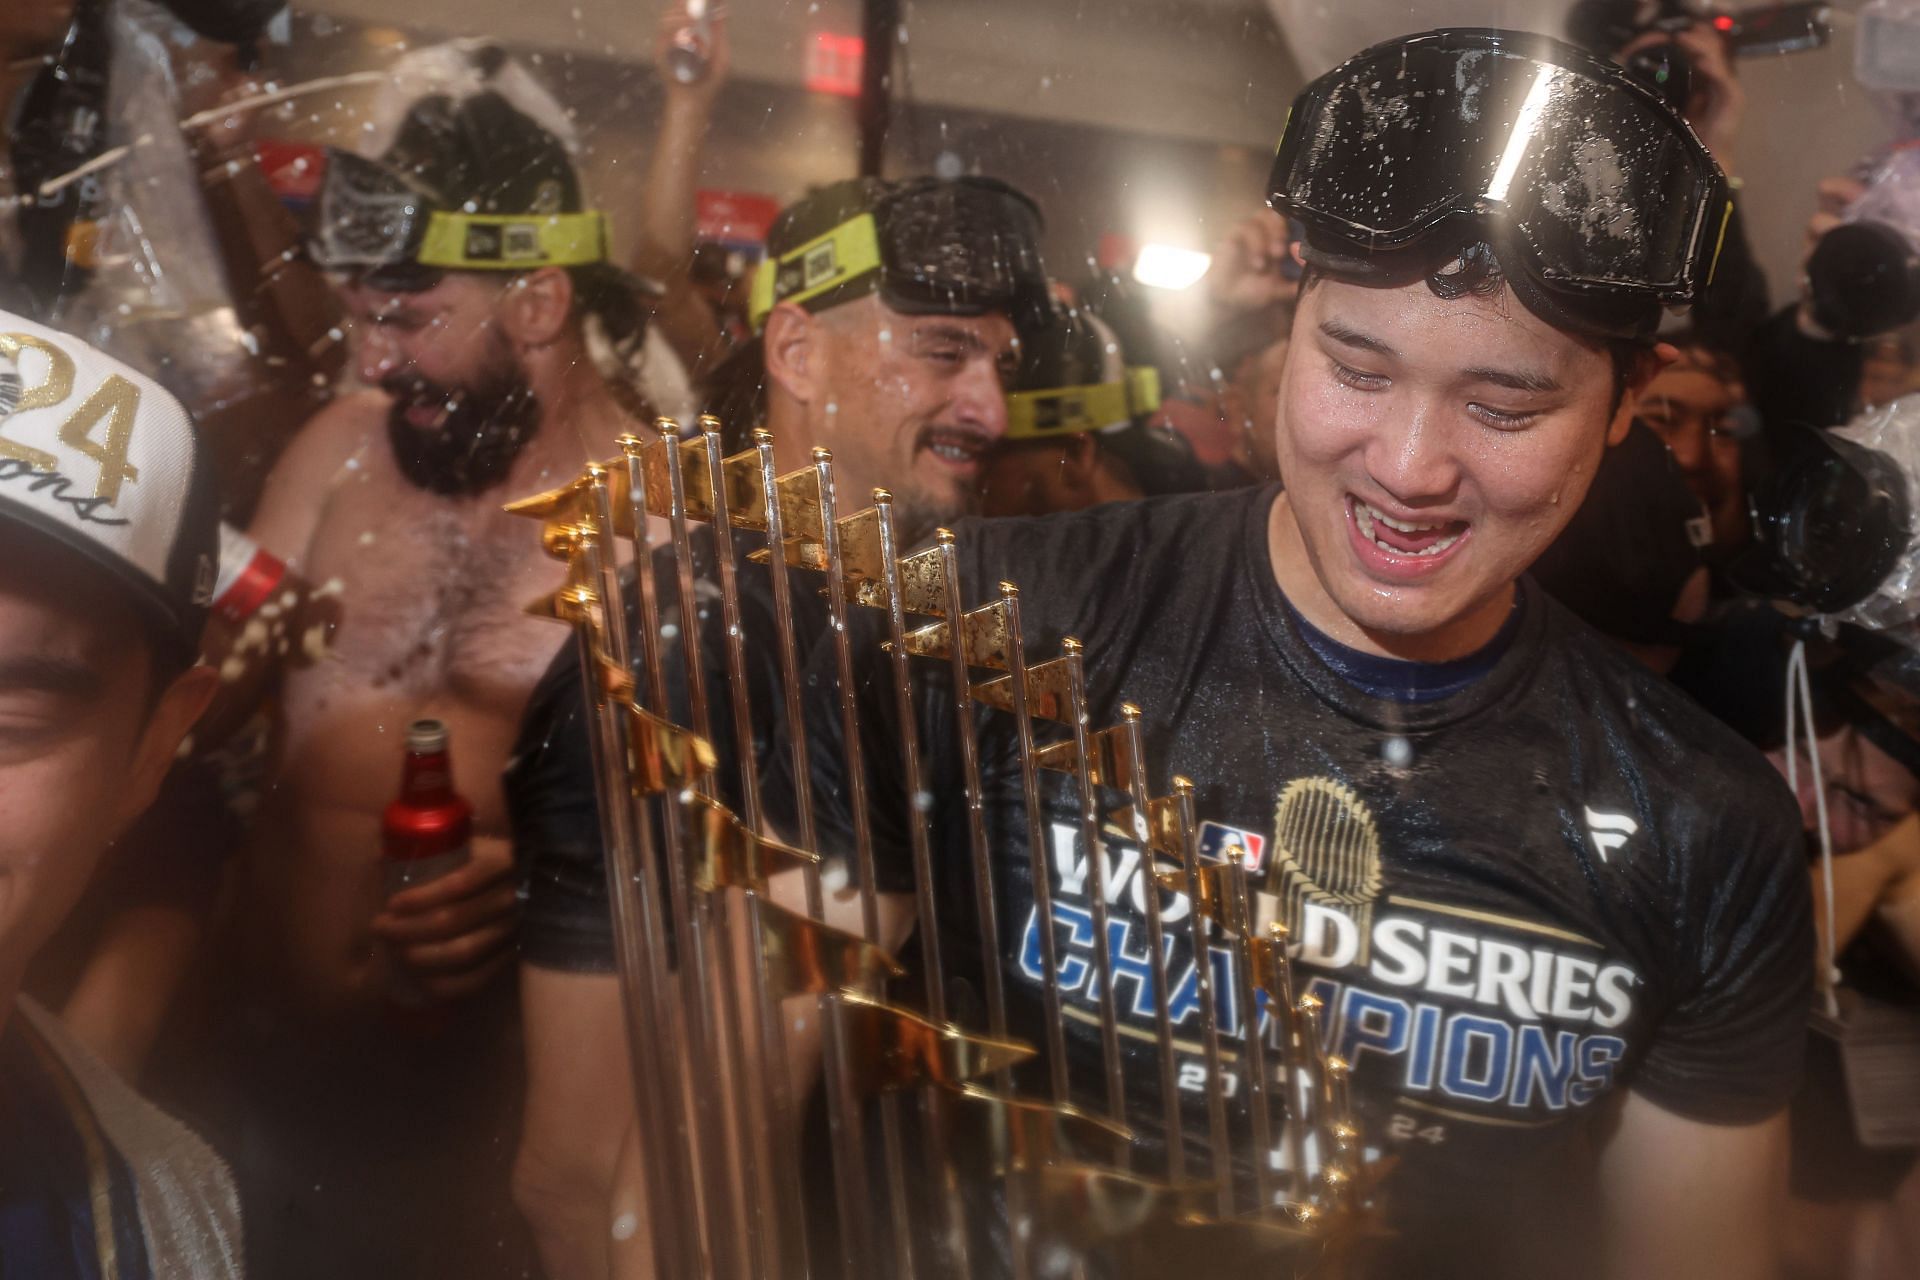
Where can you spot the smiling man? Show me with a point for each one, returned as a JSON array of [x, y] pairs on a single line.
[[1557, 916], [889, 317], [472, 270], [107, 549]]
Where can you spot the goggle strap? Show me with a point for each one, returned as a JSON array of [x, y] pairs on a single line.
[[1063, 411], [1719, 242], [513, 242], [1143, 389], [843, 255]]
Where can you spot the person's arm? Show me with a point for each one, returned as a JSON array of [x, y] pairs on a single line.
[[1693, 1172], [579, 1105], [664, 253], [579, 1098], [1687, 1198], [1880, 880]]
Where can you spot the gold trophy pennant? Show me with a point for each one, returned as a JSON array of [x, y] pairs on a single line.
[[723, 854], [897, 1049], [985, 638], [861, 557], [710, 1005], [657, 467], [569, 605], [1028, 1132], [740, 487], [1094, 1204], [555, 509], [664, 757], [1162, 824], [1109, 759], [1211, 877], [612, 682], [922, 579], [805, 956], [1046, 691]]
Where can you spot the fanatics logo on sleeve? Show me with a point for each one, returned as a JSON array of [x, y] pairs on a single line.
[[1609, 830]]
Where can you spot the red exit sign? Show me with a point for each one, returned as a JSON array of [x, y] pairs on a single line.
[[833, 64]]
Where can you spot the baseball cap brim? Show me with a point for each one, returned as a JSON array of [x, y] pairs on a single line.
[[172, 628]]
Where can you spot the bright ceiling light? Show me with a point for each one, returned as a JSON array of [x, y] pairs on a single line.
[[1166, 266]]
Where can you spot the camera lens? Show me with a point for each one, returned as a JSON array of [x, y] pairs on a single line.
[[1831, 523], [1666, 68], [1862, 280]]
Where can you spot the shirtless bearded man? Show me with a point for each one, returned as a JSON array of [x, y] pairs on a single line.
[[470, 268]]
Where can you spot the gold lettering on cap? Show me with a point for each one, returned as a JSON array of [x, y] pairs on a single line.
[[49, 391], [118, 401]]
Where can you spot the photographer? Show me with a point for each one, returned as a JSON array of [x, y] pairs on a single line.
[[1689, 61]]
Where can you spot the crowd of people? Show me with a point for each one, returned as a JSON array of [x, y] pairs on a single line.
[[1461, 507]]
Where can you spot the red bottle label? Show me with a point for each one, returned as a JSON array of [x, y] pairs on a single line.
[[427, 830]]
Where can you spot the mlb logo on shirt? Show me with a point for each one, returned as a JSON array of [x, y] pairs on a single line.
[[1216, 838]]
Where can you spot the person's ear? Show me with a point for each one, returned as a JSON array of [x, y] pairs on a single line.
[[795, 351], [174, 713], [1646, 367], [536, 308]]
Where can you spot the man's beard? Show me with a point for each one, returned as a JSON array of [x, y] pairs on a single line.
[[485, 428]]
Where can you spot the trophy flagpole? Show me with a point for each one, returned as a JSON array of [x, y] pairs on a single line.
[[1073, 658], [639, 942], [1136, 788], [1253, 1039], [695, 1022], [779, 1136], [932, 1105], [844, 1127], [895, 1161], [1041, 873], [1198, 921]]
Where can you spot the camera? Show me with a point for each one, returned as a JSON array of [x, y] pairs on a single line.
[[1832, 518], [1607, 26]]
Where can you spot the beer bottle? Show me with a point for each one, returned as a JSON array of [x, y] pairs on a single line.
[[428, 827], [60, 125]]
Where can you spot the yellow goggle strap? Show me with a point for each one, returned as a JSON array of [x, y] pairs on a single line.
[[1719, 243], [846, 253], [513, 242], [1061, 411]]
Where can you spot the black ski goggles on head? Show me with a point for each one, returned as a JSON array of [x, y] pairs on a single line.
[[370, 217], [929, 246], [1596, 185]]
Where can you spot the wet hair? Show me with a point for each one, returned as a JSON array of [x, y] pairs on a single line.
[[1474, 270]]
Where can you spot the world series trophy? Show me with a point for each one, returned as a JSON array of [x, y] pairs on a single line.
[[927, 1134]]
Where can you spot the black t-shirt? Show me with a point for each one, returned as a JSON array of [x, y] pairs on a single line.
[[567, 922], [1563, 881]]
